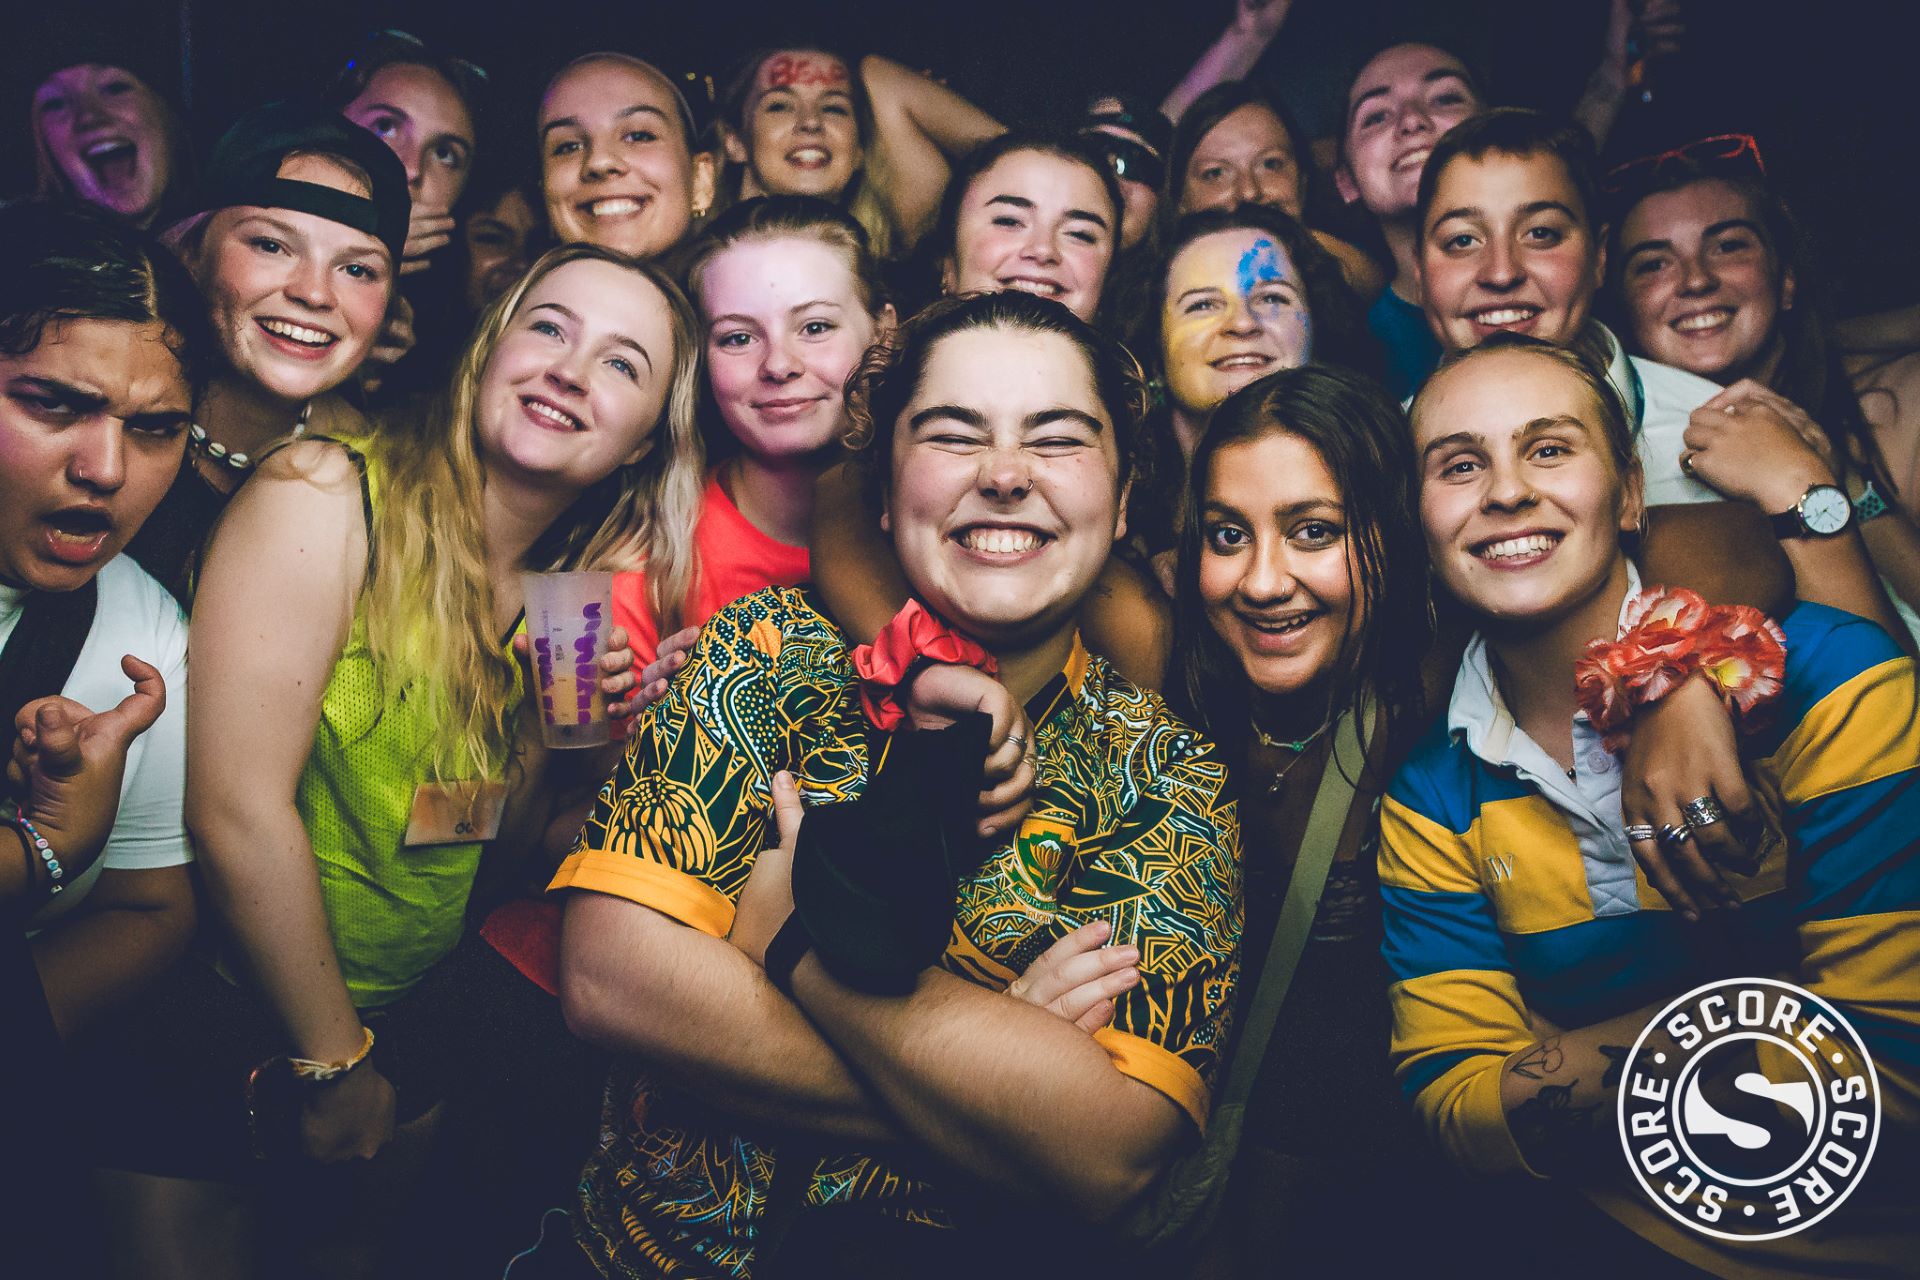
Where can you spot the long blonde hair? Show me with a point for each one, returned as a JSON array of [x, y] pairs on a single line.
[[429, 600]]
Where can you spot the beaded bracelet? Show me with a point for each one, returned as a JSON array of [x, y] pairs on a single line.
[[1667, 635], [36, 844]]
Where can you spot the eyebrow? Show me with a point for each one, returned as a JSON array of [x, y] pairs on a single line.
[[974, 418], [620, 338], [1533, 207], [365, 248], [1715, 229], [1531, 427], [92, 401], [573, 122], [1437, 74], [1021, 202]]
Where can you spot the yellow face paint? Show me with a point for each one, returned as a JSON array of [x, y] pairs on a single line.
[[1235, 311]]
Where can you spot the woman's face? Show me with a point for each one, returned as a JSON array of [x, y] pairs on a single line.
[[802, 137], [106, 133], [1507, 245], [616, 166], [1247, 158], [1703, 283], [1519, 494], [576, 385], [1235, 311], [418, 114], [1277, 568], [93, 424], [1004, 499], [1037, 222], [296, 299], [1400, 104], [784, 328], [499, 247]]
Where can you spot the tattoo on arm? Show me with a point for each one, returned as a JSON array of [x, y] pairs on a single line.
[[1541, 1061], [1616, 1063], [1548, 1127]]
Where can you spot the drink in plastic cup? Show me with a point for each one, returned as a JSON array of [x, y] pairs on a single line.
[[568, 617]]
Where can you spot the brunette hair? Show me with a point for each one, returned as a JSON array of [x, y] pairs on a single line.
[[1215, 105], [1809, 373], [1362, 437], [429, 603], [859, 199], [944, 242], [889, 375], [81, 264], [385, 49], [1519, 132], [1614, 419]]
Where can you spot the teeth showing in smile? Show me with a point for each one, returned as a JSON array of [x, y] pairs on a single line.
[[1245, 360], [1045, 288], [617, 207], [1412, 160], [108, 148], [809, 156], [557, 417], [1532, 544], [1718, 318], [1280, 626], [297, 333], [1000, 542], [1506, 315]]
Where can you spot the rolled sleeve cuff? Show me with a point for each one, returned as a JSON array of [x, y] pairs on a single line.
[[1159, 1069], [691, 901]]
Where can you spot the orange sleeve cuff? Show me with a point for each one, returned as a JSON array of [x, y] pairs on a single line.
[[1159, 1069], [685, 898]]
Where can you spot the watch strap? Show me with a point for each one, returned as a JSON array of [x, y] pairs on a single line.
[[1788, 524]]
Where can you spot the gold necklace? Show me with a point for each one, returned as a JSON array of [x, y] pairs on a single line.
[[1298, 748]]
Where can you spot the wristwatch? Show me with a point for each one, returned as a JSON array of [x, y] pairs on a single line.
[[1869, 504], [1823, 511]]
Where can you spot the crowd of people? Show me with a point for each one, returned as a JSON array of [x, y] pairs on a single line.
[[1111, 767]]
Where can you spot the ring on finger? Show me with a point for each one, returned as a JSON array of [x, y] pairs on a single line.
[[1703, 811], [1676, 833], [1641, 831], [1019, 741]]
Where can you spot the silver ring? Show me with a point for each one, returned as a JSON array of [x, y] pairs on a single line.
[[1641, 831], [1676, 833], [1014, 737], [1703, 811]]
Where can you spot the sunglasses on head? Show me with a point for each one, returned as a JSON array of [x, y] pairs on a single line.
[[1731, 154], [1130, 161]]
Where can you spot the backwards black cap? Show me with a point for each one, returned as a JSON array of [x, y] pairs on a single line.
[[1131, 111], [245, 170]]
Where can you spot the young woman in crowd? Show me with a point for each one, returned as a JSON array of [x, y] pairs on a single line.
[[103, 135], [1516, 994], [102, 342], [355, 604], [303, 220], [1400, 103], [1238, 144], [802, 121], [1509, 244], [1714, 276], [618, 160], [1000, 427]]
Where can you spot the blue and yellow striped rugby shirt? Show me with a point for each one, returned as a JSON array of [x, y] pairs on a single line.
[[1510, 888]]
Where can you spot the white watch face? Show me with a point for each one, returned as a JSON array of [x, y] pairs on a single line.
[[1825, 509]]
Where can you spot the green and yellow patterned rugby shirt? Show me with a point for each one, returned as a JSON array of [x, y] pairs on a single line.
[[1130, 824]]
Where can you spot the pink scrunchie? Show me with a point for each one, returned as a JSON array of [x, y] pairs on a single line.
[[915, 638]]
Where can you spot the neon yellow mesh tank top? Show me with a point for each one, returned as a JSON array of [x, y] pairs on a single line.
[[394, 911]]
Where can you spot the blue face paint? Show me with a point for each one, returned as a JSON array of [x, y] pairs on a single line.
[[1259, 265]]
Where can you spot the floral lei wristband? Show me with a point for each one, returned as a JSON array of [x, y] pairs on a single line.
[[1667, 635], [913, 640]]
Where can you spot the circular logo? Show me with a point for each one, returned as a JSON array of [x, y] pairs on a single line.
[[1749, 1109]]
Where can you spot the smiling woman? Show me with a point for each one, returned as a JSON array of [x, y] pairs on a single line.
[[104, 137], [616, 138]]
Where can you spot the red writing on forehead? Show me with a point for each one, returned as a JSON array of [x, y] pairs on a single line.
[[784, 71]]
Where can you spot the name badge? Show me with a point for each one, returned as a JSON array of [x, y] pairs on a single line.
[[455, 812]]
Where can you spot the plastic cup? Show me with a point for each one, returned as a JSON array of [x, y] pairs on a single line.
[[568, 617]]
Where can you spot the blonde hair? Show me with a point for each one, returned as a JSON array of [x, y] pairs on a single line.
[[429, 611]]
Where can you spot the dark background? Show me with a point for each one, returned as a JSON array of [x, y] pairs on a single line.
[[1828, 88]]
